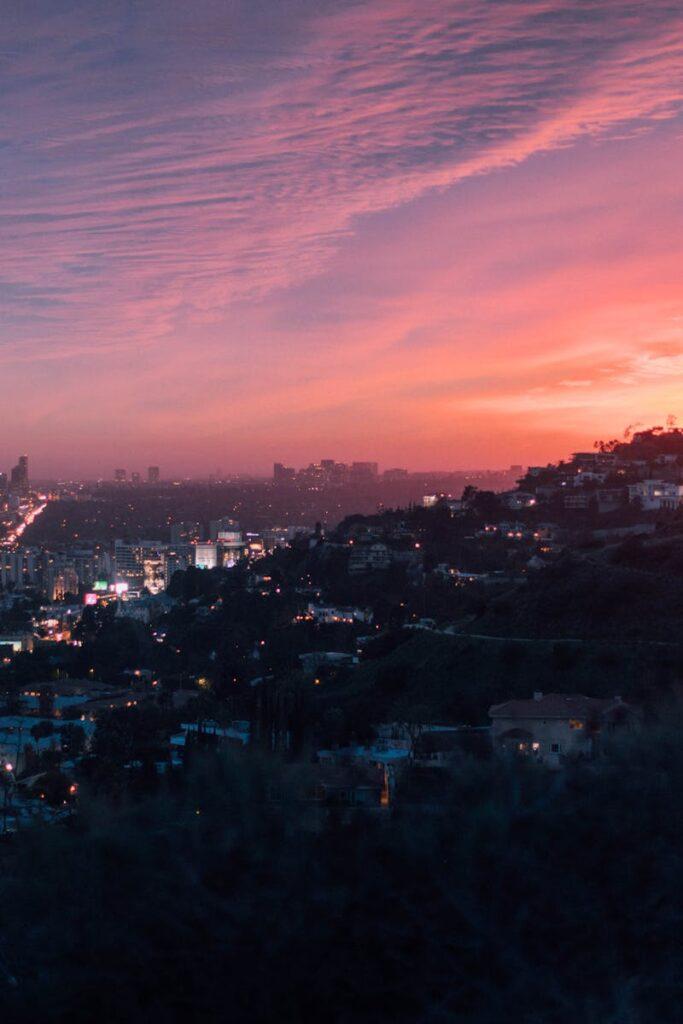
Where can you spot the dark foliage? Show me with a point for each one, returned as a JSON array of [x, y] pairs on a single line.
[[525, 897]]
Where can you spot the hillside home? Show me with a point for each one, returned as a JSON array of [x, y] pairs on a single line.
[[553, 728], [655, 495]]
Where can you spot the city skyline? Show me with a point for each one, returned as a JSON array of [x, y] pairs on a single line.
[[152, 475], [428, 233]]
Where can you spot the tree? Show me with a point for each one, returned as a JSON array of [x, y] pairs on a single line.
[[72, 740], [41, 730], [46, 701]]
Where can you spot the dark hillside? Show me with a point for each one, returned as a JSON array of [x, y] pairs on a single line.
[[589, 599], [454, 680]]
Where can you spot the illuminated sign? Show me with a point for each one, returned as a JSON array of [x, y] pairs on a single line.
[[90, 599], [100, 585]]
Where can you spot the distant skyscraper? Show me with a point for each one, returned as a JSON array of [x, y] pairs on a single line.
[[153, 475], [19, 476], [135, 479], [120, 476], [283, 474]]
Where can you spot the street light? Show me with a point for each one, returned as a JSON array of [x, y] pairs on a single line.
[[9, 767]]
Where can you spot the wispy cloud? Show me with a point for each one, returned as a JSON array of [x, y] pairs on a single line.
[[173, 176]]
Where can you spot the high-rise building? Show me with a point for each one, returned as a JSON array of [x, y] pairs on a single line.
[[283, 474], [206, 555], [141, 563], [135, 479], [120, 476], [178, 559], [153, 475], [19, 476], [232, 546], [128, 559]]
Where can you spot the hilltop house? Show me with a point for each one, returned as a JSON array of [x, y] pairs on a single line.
[[655, 495], [367, 558], [552, 728]]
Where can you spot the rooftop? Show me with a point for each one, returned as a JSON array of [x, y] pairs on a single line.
[[555, 705]]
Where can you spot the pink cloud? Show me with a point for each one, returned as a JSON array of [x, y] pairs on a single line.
[[189, 205]]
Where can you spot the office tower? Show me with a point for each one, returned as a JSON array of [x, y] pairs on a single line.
[[19, 476], [206, 556], [153, 475], [178, 559], [283, 474], [232, 546], [135, 479], [140, 564], [120, 476], [91, 562], [128, 559]]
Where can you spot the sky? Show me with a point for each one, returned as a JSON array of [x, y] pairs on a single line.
[[434, 234]]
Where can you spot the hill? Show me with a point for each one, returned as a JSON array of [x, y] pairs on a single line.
[[591, 599], [455, 679]]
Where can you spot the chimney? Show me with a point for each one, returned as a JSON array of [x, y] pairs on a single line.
[[538, 695]]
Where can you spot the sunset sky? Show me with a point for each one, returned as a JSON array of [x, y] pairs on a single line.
[[437, 234]]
